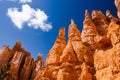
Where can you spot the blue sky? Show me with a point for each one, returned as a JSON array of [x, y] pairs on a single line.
[[36, 22]]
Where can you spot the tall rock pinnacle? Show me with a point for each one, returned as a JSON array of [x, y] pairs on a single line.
[[56, 51], [89, 31], [75, 49], [93, 54], [87, 15], [73, 32], [38, 65], [74, 52], [68, 53]]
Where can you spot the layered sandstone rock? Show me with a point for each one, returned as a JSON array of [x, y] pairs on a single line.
[[100, 22], [72, 56], [15, 65], [69, 58], [25, 74], [38, 67], [107, 60], [66, 72], [93, 54], [18, 47], [53, 59], [68, 54], [85, 75], [57, 49], [89, 32], [110, 17], [20, 61], [117, 4], [6, 55]]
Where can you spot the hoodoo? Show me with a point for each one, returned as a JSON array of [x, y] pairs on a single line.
[[93, 54]]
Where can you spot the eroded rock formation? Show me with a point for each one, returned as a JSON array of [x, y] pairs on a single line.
[[38, 67], [15, 65], [27, 69], [93, 54], [6, 55], [117, 4], [57, 49]]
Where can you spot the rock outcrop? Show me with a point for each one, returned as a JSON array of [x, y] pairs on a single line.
[[85, 75], [89, 32], [15, 65], [117, 4], [100, 21], [57, 49], [93, 54], [21, 63], [27, 69], [6, 55], [70, 60], [38, 67]]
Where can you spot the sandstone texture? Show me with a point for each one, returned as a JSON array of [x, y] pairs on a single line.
[[117, 4], [93, 54]]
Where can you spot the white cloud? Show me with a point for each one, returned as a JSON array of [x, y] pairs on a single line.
[[33, 18], [25, 1]]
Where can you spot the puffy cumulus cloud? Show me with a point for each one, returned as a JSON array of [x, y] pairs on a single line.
[[33, 18], [25, 1]]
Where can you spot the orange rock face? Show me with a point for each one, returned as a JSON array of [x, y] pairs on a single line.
[[15, 65], [71, 58], [93, 54], [20, 61], [27, 69], [38, 67], [6, 55], [117, 4], [57, 49]]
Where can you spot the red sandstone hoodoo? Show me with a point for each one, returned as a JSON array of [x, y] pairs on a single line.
[[93, 54]]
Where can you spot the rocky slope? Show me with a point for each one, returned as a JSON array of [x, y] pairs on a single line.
[[93, 54]]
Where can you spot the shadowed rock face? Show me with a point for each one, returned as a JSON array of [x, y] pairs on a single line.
[[15, 65], [27, 69], [20, 61], [6, 55], [93, 54], [100, 22]]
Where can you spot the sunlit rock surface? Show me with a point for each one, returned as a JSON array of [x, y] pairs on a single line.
[[93, 54]]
